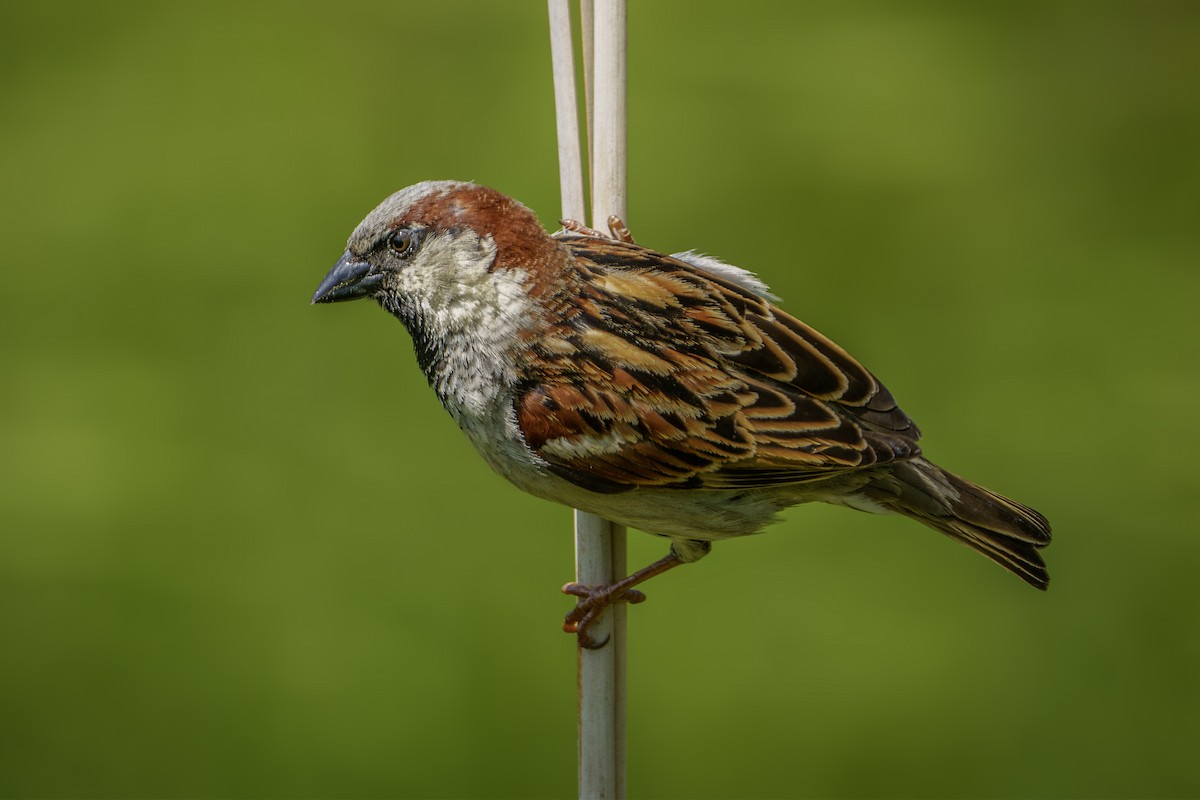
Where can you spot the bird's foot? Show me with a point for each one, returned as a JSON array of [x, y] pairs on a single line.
[[592, 602], [594, 598], [617, 228]]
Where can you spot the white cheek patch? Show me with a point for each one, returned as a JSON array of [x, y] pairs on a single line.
[[478, 315], [447, 267]]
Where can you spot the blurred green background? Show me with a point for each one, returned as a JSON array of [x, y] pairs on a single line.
[[243, 552]]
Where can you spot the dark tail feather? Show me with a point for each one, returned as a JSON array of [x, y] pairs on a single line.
[[1004, 530]]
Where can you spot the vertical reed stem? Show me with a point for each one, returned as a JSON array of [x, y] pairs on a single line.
[[599, 544], [608, 164]]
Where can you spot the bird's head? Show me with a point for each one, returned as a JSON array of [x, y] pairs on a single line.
[[433, 242]]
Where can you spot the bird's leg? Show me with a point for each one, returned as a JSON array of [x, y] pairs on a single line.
[[594, 599]]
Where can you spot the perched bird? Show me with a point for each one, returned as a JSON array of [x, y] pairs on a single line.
[[663, 392]]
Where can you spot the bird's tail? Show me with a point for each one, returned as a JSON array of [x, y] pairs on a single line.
[[1004, 530]]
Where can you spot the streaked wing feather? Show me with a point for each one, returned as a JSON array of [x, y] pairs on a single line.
[[659, 373]]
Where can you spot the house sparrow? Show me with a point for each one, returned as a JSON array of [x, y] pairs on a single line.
[[663, 392]]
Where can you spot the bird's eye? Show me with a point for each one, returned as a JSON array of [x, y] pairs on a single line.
[[403, 242]]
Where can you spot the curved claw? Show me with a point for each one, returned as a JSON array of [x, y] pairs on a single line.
[[594, 599], [575, 226], [592, 602], [576, 589], [588, 643], [619, 230], [581, 626]]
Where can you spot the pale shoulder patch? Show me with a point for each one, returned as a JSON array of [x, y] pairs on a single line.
[[715, 266]]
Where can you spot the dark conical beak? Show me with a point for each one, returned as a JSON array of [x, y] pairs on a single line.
[[348, 280]]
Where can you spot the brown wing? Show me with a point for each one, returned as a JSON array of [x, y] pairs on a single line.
[[660, 373]]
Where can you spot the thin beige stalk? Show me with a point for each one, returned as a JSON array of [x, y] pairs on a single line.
[[599, 544]]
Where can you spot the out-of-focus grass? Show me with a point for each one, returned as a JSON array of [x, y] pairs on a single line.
[[244, 553]]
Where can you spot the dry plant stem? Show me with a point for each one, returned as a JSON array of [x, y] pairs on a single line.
[[570, 166], [607, 123], [620, 665], [600, 672], [587, 18], [608, 126], [598, 733]]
